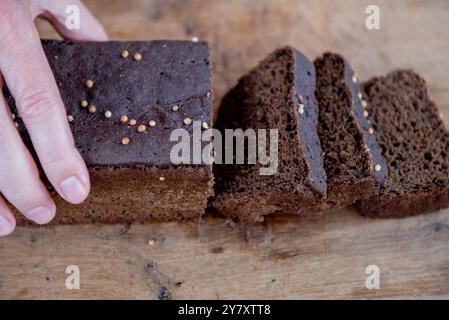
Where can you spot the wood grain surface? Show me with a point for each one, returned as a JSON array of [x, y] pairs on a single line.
[[294, 258]]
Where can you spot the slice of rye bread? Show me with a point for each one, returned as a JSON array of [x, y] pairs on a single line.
[[353, 162], [277, 94], [137, 181], [414, 143]]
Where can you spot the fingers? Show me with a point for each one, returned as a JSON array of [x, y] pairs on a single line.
[[62, 11], [7, 220], [19, 178], [30, 80]]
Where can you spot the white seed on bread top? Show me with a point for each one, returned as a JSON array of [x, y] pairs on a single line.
[[125, 141], [141, 128], [359, 95], [89, 84], [365, 114], [132, 122], [195, 39], [205, 126], [364, 103], [108, 114], [137, 56], [124, 119], [187, 121], [161, 178], [92, 108], [354, 78], [70, 118], [370, 130], [175, 108], [301, 108], [377, 167], [152, 123], [125, 54], [84, 103]]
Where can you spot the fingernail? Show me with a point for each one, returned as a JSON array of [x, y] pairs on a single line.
[[6, 226], [73, 190], [40, 215]]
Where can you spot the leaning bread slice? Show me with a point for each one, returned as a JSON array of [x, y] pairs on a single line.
[[353, 162], [277, 94]]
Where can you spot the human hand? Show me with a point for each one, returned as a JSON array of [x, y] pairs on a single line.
[[26, 72]]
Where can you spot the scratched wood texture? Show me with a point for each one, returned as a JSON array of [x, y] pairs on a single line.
[[282, 258]]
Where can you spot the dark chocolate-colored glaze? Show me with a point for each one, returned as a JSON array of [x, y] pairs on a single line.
[[364, 123], [305, 76], [169, 73]]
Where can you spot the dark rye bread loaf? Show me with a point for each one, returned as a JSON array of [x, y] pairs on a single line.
[[137, 181], [414, 143], [277, 94], [352, 158]]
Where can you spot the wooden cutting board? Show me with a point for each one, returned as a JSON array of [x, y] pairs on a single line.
[[322, 257]]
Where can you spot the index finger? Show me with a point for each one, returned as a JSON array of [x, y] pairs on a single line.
[[30, 80]]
